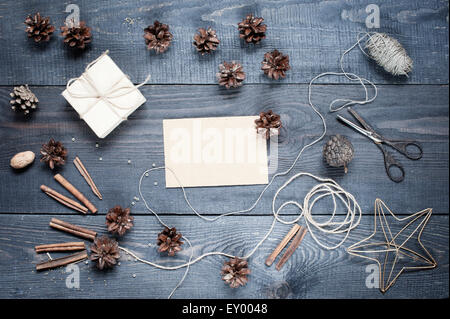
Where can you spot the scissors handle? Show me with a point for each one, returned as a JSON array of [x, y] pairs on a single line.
[[406, 148], [390, 163]]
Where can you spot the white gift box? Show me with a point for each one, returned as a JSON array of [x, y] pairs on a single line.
[[103, 95]]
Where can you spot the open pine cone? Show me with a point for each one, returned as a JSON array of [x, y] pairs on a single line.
[[234, 272], [76, 37], [157, 37], [169, 240], [230, 75], [105, 252], [206, 41], [53, 153], [267, 121], [275, 64], [39, 28], [23, 99], [251, 29], [119, 220]]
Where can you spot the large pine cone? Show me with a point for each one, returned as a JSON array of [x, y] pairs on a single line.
[[230, 75], [338, 152], [275, 64], [251, 29], [267, 121], [39, 28], [105, 252], [157, 37], [76, 37], [206, 41], [169, 240], [234, 272], [119, 220], [23, 99], [53, 153]]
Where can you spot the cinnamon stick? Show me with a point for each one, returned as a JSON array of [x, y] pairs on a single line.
[[83, 171], [63, 261], [71, 246], [64, 200], [75, 192], [292, 247], [282, 244], [73, 229]]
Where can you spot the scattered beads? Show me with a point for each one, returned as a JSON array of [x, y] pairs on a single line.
[[146, 174], [96, 145], [73, 139], [100, 158], [129, 161], [153, 165], [134, 275], [155, 183]]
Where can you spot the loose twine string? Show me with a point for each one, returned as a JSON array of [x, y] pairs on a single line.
[[326, 187]]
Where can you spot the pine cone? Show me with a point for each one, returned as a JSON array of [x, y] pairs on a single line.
[[105, 252], [76, 36], [206, 41], [158, 37], [169, 240], [235, 272], [119, 220], [338, 152], [251, 29], [53, 153], [275, 64], [267, 121], [23, 99], [230, 75], [39, 28]]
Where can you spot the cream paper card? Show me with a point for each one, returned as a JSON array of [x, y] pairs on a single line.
[[214, 151], [104, 114]]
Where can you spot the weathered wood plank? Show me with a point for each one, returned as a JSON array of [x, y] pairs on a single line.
[[415, 112], [310, 273], [313, 33]]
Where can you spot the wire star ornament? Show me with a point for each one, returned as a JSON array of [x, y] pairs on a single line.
[[395, 245]]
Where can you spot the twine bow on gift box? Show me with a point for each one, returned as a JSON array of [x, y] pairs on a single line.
[[105, 96]]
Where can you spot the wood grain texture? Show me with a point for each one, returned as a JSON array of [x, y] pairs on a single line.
[[413, 112], [313, 33], [310, 273]]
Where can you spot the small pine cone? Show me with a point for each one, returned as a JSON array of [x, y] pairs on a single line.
[[39, 28], [119, 220], [338, 152], [251, 29], [206, 41], [230, 75], [169, 240], [76, 37], [105, 252], [275, 64], [53, 153], [157, 37], [234, 272], [267, 121], [23, 99]]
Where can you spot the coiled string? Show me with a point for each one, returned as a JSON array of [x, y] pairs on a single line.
[[325, 188]]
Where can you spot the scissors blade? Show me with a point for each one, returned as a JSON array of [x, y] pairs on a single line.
[[367, 133], [361, 120]]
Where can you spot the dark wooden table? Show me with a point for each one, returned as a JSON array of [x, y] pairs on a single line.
[[314, 34]]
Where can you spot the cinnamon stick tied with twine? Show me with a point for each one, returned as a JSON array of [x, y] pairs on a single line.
[[73, 229], [83, 171], [75, 192], [282, 244], [63, 261], [71, 246], [292, 247], [64, 200]]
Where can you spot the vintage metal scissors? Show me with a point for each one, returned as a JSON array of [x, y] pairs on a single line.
[[410, 149]]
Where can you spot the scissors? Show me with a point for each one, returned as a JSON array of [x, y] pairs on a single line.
[[410, 149]]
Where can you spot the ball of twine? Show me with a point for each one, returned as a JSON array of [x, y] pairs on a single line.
[[389, 54]]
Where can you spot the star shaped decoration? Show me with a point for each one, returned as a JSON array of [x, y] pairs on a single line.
[[395, 247]]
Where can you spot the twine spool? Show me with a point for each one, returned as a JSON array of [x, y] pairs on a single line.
[[388, 53]]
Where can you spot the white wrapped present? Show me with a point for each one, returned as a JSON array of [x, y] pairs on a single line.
[[103, 95]]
